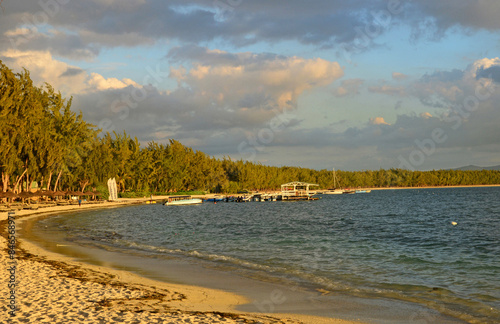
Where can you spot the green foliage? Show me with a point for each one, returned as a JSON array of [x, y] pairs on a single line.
[[181, 193], [193, 192], [134, 194], [39, 134], [103, 189], [42, 140]]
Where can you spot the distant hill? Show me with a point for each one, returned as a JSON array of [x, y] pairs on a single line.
[[477, 168]]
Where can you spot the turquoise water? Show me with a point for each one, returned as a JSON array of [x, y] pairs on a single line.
[[396, 244]]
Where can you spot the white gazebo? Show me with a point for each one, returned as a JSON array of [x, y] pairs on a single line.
[[296, 189]]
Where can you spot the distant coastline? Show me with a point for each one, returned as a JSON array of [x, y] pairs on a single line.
[[436, 187]]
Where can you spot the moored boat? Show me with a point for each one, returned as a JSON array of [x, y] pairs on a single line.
[[333, 192], [214, 199], [182, 200], [296, 190]]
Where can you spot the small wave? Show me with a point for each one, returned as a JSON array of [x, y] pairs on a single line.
[[200, 255]]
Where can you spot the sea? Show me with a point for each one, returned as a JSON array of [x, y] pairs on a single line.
[[437, 248]]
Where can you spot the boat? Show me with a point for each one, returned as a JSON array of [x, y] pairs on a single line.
[[296, 190], [349, 191], [334, 191], [214, 199], [363, 191], [182, 200]]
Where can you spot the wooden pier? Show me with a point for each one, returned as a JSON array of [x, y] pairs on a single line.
[[292, 191]]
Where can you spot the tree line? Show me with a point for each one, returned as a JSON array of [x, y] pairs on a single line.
[[43, 142]]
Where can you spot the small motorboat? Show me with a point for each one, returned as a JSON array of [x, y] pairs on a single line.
[[182, 200]]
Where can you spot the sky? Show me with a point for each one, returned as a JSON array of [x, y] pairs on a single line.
[[322, 84]]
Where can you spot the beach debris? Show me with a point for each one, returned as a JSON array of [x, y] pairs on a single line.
[[323, 291]]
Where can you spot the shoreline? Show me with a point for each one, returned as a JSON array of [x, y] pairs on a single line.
[[56, 287]]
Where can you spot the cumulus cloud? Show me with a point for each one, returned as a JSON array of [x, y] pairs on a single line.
[[245, 81], [221, 97], [44, 68], [378, 121], [98, 82], [445, 89], [70, 80], [467, 122], [468, 101], [218, 93], [487, 68]]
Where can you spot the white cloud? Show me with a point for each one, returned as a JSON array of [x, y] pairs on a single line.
[[445, 89], [469, 123], [254, 81], [221, 97], [70, 80], [44, 68], [486, 68], [483, 64], [99, 83]]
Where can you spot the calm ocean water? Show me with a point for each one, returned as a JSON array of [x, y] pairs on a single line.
[[397, 244]]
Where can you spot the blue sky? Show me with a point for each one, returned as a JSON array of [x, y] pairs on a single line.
[[355, 85]]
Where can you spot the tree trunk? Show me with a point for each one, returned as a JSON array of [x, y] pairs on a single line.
[[57, 181], [84, 184], [5, 181], [5, 184], [18, 180], [48, 182]]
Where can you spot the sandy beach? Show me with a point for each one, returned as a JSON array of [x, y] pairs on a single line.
[[45, 287]]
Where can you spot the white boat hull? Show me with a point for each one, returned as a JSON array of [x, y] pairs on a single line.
[[334, 192], [192, 201]]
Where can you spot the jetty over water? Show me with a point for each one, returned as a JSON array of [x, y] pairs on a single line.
[[291, 191]]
